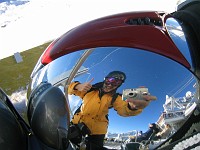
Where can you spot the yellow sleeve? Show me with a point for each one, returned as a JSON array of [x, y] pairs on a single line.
[[71, 90], [122, 108]]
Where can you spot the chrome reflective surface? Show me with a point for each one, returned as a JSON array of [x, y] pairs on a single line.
[[57, 71], [164, 78], [177, 35]]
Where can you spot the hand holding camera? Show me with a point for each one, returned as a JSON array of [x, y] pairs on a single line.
[[138, 98]]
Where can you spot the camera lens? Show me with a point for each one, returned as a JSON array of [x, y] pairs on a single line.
[[132, 94]]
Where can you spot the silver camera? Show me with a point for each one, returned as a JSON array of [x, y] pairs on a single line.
[[136, 93]]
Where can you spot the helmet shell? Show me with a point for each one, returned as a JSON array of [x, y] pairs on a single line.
[[48, 115]]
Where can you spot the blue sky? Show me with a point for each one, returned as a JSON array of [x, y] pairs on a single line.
[[161, 75]]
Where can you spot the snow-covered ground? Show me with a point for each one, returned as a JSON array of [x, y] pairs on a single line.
[[19, 100], [25, 24]]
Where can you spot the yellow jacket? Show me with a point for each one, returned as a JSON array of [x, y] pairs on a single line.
[[94, 110]]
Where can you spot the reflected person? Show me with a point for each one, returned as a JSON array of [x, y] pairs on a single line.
[[150, 133], [165, 133], [97, 99]]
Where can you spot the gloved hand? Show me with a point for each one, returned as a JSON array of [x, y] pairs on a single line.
[[141, 104], [84, 86]]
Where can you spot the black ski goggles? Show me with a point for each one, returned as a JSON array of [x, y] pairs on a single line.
[[113, 81]]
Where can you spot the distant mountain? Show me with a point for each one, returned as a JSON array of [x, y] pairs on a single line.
[[125, 134]]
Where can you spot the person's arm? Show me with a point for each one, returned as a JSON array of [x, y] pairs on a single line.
[[140, 104], [73, 91], [123, 108], [131, 107], [84, 87], [79, 89]]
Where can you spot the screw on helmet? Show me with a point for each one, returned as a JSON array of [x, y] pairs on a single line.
[[118, 75]]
